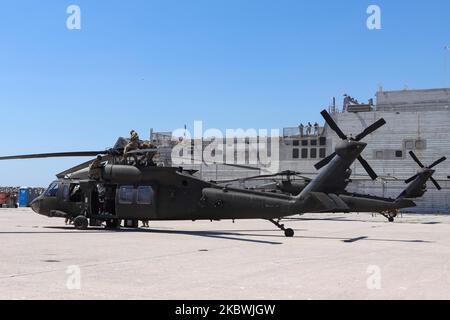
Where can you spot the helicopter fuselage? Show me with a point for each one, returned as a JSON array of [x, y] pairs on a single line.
[[128, 192]]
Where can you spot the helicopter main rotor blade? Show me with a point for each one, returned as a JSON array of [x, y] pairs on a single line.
[[411, 179], [271, 185], [322, 163], [258, 177], [368, 168], [436, 184], [305, 178], [333, 125], [416, 159], [375, 126], [142, 151], [437, 162], [55, 155], [218, 163], [80, 167], [238, 179]]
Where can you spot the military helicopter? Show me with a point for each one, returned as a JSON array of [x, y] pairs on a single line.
[[352, 202], [143, 191]]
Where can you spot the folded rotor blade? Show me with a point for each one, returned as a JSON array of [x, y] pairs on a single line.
[[55, 155], [142, 151], [411, 179], [368, 168], [208, 163], [375, 126], [416, 159], [436, 184], [333, 125], [322, 163], [307, 179], [271, 185], [437, 162], [241, 179]]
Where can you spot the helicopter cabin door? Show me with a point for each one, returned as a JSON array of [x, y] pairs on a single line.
[[135, 202]]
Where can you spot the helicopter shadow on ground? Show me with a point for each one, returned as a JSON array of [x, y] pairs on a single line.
[[336, 219], [64, 230], [210, 234], [218, 234], [236, 235], [226, 234], [366, 238]]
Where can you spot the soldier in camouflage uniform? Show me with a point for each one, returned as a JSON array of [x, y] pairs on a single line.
[[95, 168], [133, 144]]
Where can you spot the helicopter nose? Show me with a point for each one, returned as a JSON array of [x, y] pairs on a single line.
[[35, 205]]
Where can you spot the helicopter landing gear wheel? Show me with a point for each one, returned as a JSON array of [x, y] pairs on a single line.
[[390, 214], [81, 223], [112, 224], [289, 233]]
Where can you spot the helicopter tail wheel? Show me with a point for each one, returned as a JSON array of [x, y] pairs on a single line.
[[287, 232], [81, 223], [390, 215]]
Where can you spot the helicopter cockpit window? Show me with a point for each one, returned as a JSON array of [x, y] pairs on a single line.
[[126, 194], [145, 195], [52, 190]]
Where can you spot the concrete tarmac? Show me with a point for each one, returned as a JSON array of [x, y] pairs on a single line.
[[332, 256]]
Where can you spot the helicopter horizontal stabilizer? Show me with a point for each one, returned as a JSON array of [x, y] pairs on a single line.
[[330, 202], [405, 203]]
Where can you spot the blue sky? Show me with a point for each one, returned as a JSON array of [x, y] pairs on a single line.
[[163, 64]]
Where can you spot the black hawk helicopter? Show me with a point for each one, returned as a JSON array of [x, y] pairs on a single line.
[[335, 185], [143, 191]]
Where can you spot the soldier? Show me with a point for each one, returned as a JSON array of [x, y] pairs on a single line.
[[308, 129], [147, 158], [134, 142], [301, 127], [147, 145], [347, 100], [316, 129], [95, 168]]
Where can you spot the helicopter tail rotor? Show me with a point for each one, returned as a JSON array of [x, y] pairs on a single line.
[[425, 168], [332, 124]]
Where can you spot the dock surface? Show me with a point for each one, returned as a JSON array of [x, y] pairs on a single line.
[[332, 256]]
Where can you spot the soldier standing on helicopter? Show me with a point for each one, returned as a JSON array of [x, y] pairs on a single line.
[[95, 168], [134, 142]]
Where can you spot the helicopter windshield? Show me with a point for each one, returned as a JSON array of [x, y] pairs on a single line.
[[52, 190]]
